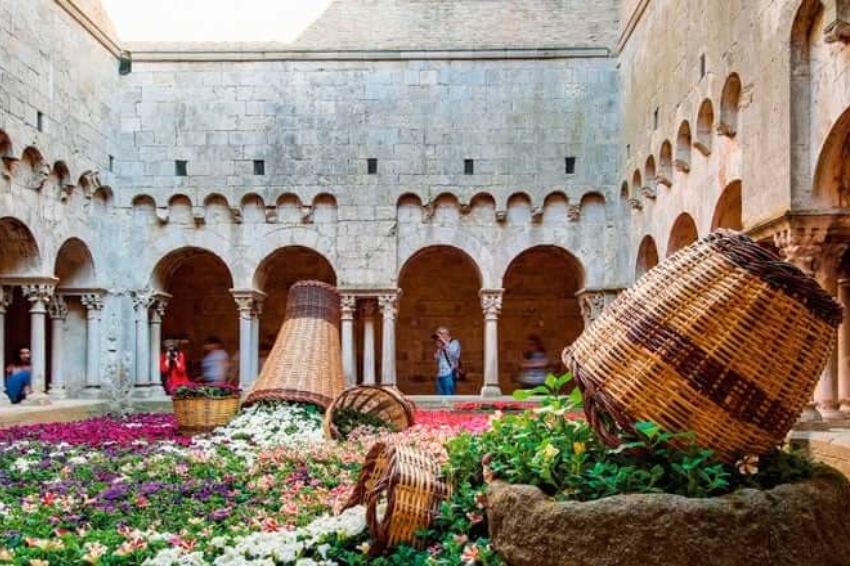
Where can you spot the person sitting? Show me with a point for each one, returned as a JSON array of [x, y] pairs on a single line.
[[172, 367], [19, 376], [535, 363]]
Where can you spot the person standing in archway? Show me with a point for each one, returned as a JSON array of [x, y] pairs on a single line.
[[447, 356], [172, 367]]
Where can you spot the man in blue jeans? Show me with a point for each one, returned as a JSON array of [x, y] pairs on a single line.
[[447, 355]]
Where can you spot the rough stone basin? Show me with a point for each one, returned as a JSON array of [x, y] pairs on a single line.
[[800, 524]]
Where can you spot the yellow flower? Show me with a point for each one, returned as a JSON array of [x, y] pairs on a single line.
[[6, 555], [579, 447], [37, 562], [550, 452]]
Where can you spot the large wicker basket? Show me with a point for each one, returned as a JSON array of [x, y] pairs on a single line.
[[722, 339], [386, 403], [203, 414], [409, 483], [305, 363]]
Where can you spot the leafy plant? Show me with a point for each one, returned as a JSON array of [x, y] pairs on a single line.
[[212, 391]]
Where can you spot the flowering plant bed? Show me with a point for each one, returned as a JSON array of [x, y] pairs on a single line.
[[211, 391], [491, 406]]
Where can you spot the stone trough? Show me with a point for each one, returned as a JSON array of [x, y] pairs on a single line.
[[805, 523]]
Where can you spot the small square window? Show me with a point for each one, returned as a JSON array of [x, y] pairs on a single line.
[[468, 166], [569, 165], [628, 150], [702, 65], [655, 119], [259, 167], [39, 121], [111, 163], [372, 166], [180, 168]]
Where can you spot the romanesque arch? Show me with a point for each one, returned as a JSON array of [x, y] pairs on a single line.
[[539, 299], [683, 147], [730, 98], [665, 164], [201, 304], [832, 176], [440, 286], [74, 265], [19, 253], [683, 233], [800, 103], [705, 127], [647, 256], [276, 273], [727, 212]]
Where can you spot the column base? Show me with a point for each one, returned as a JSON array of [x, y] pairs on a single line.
[[844, 407], [832, 414], [58, 393], [142, 392], [92, 392], [157, 392], [491, 390], [810, 414], [36, 399]]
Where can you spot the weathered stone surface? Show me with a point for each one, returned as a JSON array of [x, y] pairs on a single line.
[[803, 523]]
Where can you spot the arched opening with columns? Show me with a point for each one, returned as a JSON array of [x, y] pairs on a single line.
[[683, 233], [275, 275], [727, 212], [440, 287], [539, 300], [200, 305], [647, 256]]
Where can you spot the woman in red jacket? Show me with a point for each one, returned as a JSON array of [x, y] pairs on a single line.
[[172, 367]]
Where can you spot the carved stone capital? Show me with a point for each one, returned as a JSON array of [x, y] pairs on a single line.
[[247, 302], [801, 248], [142, 300], [5, 298], [348, 306], [491, 302], [58, 308], [38, 292], [389, 305], [574, 213], [93, 302], [591, 303], [159, 302]]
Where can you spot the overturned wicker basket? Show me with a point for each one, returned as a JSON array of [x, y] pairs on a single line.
[[305, 363], [722, 339], [386, 403]]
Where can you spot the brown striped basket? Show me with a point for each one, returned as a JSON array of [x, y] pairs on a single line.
[[386, 403], [305, 363], [203, 414], [723, 339], [408, 482]]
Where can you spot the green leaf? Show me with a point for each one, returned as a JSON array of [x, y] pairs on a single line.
[[648, 429]]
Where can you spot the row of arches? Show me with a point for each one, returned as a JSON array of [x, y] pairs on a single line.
[[708, 121]]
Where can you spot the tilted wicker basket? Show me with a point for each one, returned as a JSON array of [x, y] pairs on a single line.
[[722, 339], [203, 414], [305, 363], [386, 403]]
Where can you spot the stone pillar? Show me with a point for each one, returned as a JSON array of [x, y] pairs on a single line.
[[245, 306], [348, 303], [255, 337], [58, 311], [368, 312], [844, 349], [39, 296], [141, 304], [389, 309], [491, 303], [801, 248], [94, 306], [160, 302], [5, 301]]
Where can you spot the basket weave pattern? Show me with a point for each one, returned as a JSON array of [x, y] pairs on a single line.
[[386, 403], [305, 363], [722, 339], [203, 414], [411, 484]]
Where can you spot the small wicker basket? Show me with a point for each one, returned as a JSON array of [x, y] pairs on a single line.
[[203, 414], [410, 482], [722, 339], [386, 403]]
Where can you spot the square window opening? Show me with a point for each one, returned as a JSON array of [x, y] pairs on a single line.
[[180, 168], [468, 166]]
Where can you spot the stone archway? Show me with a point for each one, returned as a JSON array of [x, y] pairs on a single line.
[[19, 256], [440, 286], [647, 256], [276, 274], [201, 304], [832, 176], [539, 299], [727, 212], [683, 233]]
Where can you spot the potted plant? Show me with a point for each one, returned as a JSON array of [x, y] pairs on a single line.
[[203, 407]]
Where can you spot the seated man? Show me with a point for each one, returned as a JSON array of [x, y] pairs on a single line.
[[19, 377]]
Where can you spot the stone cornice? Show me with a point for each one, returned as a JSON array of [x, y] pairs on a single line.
[[96, 31], [631, 24], [18, 280], [831, 221], [80, 291]]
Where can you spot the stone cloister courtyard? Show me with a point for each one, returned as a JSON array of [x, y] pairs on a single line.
[[502, 169]]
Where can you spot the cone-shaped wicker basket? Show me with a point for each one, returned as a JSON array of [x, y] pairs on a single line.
[[723, 339], [305, 363], [386, 403]]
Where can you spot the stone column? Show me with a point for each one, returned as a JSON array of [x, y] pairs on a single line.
[[94, 306], [368, 312], [348, 303], [255, 336], [802, 248], [491, 303], [844, 349], [141, 304], [5, 301], [389, 309], [245, 306], [160, 302], [39, 296], [58, 311]]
